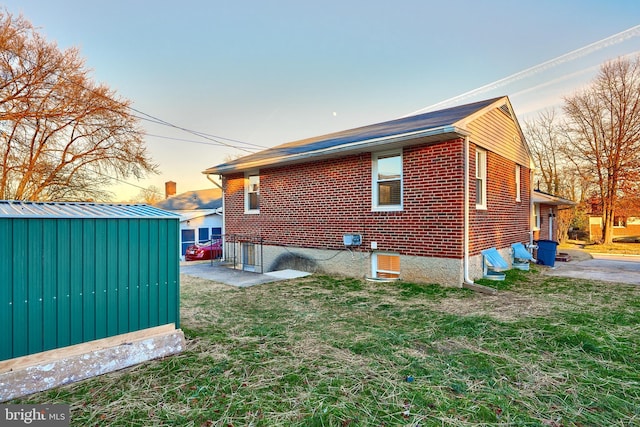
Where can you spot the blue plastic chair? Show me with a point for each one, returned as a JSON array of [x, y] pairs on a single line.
[[492, 264], [521, 256]]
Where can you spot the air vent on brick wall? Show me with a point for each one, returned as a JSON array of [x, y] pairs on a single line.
[[505, 109]]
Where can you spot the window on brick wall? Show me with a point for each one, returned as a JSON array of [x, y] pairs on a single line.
[[387, 181], [385, 266], [481, 179], [252, 193], [518, 183]]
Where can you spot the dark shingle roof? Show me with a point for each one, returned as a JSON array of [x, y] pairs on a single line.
[[434, 120], [199, 199]]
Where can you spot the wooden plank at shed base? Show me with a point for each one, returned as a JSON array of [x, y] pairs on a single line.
[[480, 288], [38, 372]]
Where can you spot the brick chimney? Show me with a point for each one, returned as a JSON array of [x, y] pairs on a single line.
[[169, 189]]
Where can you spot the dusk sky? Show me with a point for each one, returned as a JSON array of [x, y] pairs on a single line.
[[261, 73]]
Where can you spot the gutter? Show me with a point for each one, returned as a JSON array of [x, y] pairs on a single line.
[[467, 281]]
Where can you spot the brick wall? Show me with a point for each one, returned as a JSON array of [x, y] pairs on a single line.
[[631, 230], [543, 233], [314, 204], [505, 221]]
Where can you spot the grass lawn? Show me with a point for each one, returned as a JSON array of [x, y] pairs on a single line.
[[324, 351], [613, 248]]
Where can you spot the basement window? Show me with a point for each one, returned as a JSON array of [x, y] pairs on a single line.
[[385, 266]]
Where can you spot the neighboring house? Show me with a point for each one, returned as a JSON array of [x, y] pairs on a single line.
[[415, 198], [626, 220], [545, 212], [624, 228], [200, 215]]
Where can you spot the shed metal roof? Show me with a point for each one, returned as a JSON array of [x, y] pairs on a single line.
[[437, 124], [22, 209]]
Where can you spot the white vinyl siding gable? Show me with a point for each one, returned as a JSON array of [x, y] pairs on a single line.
[[499, 133]]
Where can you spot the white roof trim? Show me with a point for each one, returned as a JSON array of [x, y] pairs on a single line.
[[548, 199], [368, 145], [196, 213]]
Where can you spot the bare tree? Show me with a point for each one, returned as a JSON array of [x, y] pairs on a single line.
[[149, 195], [62, 136], [554, 174], [629, 204], [603, 129], [544, 142]]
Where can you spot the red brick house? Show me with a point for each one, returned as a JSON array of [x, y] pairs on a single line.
[[415, 198], [625, 228], [545, 214]]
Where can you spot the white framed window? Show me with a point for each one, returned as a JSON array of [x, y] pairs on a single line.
[[481, 179], [385, 265], [187, 238], [619, 221], [536, 216], [252, 193], [387, 181], [518, 183]]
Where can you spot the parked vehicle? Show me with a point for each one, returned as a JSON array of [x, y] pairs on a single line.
[[205, 250]]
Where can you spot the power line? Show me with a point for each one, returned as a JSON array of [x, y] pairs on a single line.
[[151, 118], [569, 56], [193, 132], [214, 139], [183, 140]]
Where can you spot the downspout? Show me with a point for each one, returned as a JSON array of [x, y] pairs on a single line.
[[532, 208], [214, 183], [465, 260], [468, 282], [224, 231]]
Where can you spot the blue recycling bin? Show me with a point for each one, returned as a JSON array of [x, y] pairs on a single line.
[[547, 252]]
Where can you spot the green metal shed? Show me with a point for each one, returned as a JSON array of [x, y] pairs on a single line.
[[76, 272]]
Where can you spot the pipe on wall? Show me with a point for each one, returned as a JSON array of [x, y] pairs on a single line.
[[465, 261], [467, 281], [224, 231]]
